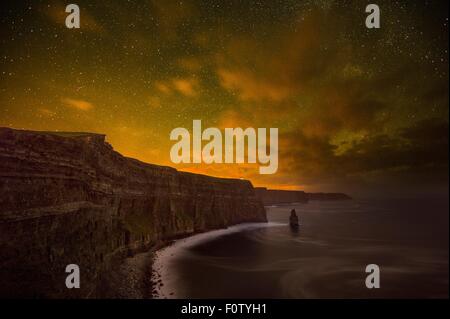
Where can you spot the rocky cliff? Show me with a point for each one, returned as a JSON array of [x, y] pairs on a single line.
[[275, 196], [328, 196], [69, 198]]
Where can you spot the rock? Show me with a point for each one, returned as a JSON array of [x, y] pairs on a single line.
[[293, 219]]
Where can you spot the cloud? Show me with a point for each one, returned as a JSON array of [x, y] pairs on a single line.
[[232, 119], [312, 76], [172, 14], [191, 64], [154, 102], [412, 155], [257, 71], [186, 86], [250, 87], [47, 112], [163, 87], [78, 104]]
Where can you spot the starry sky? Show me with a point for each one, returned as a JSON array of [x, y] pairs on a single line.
[[358, 110]]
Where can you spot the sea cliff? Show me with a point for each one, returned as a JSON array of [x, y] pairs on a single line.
[[279, 197], [275, 196], [69, 198]]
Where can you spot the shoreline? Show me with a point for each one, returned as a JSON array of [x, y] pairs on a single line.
[[163, 280], [136, 276]]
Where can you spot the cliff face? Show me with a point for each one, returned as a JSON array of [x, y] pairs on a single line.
[[71, 199], [328, 196], [274, 196]]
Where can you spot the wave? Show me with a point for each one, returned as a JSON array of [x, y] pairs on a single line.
[[163, 273]]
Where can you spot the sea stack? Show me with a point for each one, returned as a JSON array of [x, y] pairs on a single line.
[[293, 219]]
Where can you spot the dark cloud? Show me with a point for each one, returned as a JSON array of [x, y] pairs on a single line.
[[414, 155]]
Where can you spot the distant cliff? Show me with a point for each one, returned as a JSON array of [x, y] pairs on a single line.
[[69, 198], [274, 196], [328, 196]]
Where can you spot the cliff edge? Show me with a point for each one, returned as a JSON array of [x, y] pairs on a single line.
[[69, 198]]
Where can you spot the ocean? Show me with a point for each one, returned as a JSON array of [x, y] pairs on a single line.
[[325, 258]]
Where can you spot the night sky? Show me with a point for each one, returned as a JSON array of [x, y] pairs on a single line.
[[358, 110]]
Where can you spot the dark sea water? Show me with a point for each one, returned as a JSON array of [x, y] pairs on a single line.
[[326, 258]]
